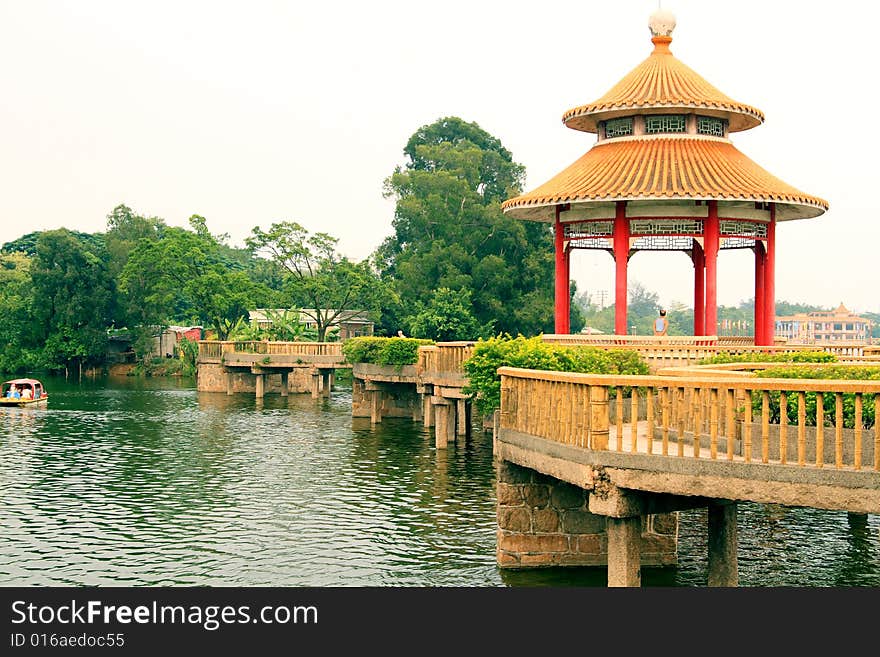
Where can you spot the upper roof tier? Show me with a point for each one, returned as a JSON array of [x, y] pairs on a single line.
[[662, 82]]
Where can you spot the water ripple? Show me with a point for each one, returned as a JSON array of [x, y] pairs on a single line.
[[150, 483]]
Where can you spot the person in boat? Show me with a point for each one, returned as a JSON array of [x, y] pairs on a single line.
[[13, 392], [26, 393]]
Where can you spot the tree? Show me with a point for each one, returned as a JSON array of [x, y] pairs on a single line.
[[16, 304], [447, 317], [73, 295], [449, 232], [323, 282], [185, 276], [125, 229]]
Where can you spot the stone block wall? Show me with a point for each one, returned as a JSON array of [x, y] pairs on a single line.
[[546, 522]]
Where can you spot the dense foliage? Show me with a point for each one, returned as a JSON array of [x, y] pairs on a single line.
[[791, 357], [533, 353], [861, 373], [383, 351], [450, 233]]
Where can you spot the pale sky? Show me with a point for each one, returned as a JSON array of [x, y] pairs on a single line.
[[253, 112]]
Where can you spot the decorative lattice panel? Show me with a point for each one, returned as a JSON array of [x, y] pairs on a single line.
[[665, 123], [736, 243], [618, 127], [663, 243], [581, 229], [666, 227], [592, 243], [742, 228], [709, 125]]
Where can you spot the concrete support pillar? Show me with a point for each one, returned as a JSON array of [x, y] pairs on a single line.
[[427, 411], [316, 385], [444, 422], [375, 406], [723, 569], [440, 421], [325, 383], [624, 551], [621, 262], [712, 239], [261, 385], [461, 425], [285, 384], [230, 382], [562, 310]]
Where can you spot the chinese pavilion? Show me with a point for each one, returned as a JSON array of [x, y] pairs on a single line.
[[663, 175]]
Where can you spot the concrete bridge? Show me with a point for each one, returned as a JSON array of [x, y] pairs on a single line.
[[261, 366], [637, 446]]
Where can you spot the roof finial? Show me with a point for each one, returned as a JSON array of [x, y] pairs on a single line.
[[662, 22]]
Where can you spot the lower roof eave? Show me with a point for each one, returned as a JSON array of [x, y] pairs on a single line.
[[545, 210]]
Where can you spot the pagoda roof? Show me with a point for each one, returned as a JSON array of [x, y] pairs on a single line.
[[662, 82], [668, 167]]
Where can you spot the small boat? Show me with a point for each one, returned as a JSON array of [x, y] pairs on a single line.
[[23, 392]]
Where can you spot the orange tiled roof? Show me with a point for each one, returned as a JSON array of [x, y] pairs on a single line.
[[663, 168], [662, 81]]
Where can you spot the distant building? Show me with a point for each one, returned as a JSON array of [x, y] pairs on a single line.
[[824, 327], [165, 342], [351, 323]]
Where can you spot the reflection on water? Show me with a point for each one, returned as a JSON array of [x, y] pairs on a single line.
[[149, 482]]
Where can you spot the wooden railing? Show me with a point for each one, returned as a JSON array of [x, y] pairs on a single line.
[[712, 416], [212, 349], [444, 359]]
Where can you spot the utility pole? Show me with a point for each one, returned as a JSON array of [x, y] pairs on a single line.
[[602, 294]]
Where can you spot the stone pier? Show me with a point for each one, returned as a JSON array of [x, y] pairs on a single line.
[[543, 521]]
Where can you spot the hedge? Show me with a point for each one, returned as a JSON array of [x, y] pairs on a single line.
[[484, 385], [791, 357], [861, 373], [383, 351]]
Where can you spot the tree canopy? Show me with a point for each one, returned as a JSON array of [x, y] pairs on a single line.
[[324, 283], [449, 232]]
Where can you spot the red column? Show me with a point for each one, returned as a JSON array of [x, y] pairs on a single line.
[[760, 261], [699, 289], [621, 257], [562, 280], [711, 238], [770, 279]]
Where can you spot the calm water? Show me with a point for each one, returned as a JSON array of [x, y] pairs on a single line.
[[149, 482]]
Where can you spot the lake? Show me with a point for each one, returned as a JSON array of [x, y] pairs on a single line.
[[130, 481]]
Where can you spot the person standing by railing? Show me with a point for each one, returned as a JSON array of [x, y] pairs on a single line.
[[661, 324]]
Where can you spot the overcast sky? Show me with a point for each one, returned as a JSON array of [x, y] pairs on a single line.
[[253, 112]]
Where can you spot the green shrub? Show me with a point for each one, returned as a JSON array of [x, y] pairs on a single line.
[[484, 383], [793, 357], [383, 351], [861, 373]]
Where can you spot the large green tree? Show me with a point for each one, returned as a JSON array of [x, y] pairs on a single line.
[[186, 275], [16, 307], [73, 299], [324, 283], [449, 232]]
